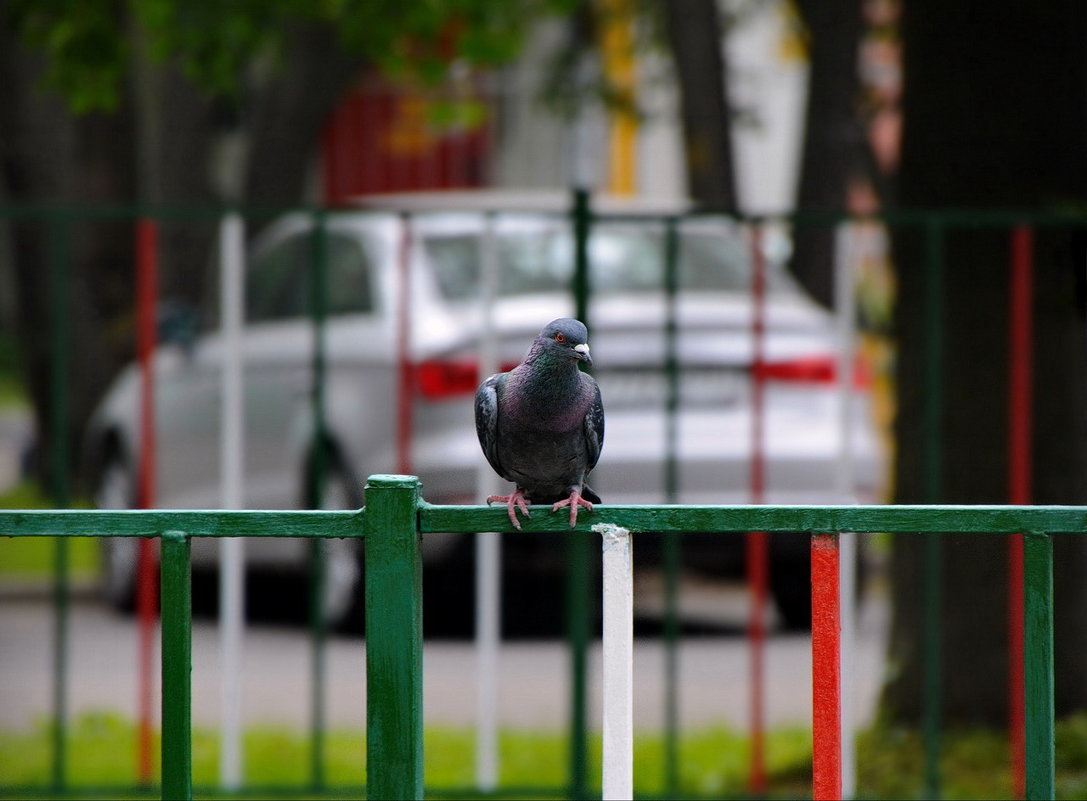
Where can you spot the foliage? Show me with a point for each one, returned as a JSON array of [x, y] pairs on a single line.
[[974, 763], [90, 46]]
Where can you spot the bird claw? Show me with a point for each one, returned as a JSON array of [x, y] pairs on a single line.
[[574, 501], [513, 502]]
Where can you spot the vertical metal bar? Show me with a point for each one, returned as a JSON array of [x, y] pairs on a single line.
[[617, 51], [826, 668], [577, 580], [1016, 667], [488, 547], [405, 398], [232, 466], [318, 631], [1038, 604], [845, 317], [582, 225], [932, 693], [1020, 419], [673, 558], [757, 544], [60, 342], [146, 299], [318, 467], [61, 597], [176, 603], [617, 768], [394, 639]]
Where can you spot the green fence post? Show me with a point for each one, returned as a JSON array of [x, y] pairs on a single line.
[[1038, 665], [60, 342], [176, 602], [316, 481], [394, 639], [932, 694]]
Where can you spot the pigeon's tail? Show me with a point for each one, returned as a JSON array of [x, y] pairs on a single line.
[[589, 494]]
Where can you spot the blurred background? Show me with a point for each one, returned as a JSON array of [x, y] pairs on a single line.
[[834, 252]]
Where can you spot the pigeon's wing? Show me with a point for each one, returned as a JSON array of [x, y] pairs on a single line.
[[487, 420], [594, 427]]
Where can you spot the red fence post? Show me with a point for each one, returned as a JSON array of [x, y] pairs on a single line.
[[826, 627], [757, 544], [147, 570]]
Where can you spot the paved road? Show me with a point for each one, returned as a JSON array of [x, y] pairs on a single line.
[[532, 691]]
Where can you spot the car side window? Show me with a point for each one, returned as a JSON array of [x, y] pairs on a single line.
[[456, 264], [275, 285], [279, 280], [350, 276]]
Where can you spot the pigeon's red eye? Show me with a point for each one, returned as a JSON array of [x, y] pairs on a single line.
[[560, 337]]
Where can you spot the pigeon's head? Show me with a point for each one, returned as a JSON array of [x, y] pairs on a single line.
[[566, 338]]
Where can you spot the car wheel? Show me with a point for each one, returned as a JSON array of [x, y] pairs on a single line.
[[790, 579], [116, 489], [790, 585], [533, 602], [342, 605]]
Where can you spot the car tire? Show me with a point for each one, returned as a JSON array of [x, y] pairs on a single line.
[[343, 605], [115, 488], [790, 586], [533, 596], [790, 579]]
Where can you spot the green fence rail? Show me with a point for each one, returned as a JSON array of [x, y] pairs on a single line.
[[396, 517]]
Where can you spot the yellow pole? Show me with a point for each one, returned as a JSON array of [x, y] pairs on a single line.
[[617, 45]]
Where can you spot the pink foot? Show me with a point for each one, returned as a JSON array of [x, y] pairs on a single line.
[[574, 501], [513, 502]]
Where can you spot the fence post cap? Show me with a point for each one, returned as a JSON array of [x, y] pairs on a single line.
[[389, 480]]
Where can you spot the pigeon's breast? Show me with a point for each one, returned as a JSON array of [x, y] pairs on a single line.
[[550, 406]]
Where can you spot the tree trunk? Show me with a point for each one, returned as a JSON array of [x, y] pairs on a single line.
[[289, 110], [834, 141], [48, 156], [175, 135], [157, 148], [993, 118], [694, 34]]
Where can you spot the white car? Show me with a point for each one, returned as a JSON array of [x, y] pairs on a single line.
[[440, 256]]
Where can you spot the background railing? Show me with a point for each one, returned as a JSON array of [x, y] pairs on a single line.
[[62, 222], [392, 523]]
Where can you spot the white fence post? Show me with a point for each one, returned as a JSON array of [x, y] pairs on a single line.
[[488, 548], [232, 455], [618, 701]]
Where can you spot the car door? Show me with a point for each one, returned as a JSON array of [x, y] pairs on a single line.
[[279, 352]]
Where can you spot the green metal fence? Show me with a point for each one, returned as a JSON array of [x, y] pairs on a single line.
[[396, 517]]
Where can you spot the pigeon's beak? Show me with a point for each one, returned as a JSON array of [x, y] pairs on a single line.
[[582, 352]]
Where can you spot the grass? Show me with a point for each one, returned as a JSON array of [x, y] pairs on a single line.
[[101, 749], [974, 763], [713, 762]]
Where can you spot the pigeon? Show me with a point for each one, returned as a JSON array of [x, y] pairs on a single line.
[[541, 425]]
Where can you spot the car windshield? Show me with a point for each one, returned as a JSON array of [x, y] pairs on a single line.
[[623, 258]]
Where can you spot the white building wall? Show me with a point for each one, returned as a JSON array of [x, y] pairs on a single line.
[[768, 82]]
